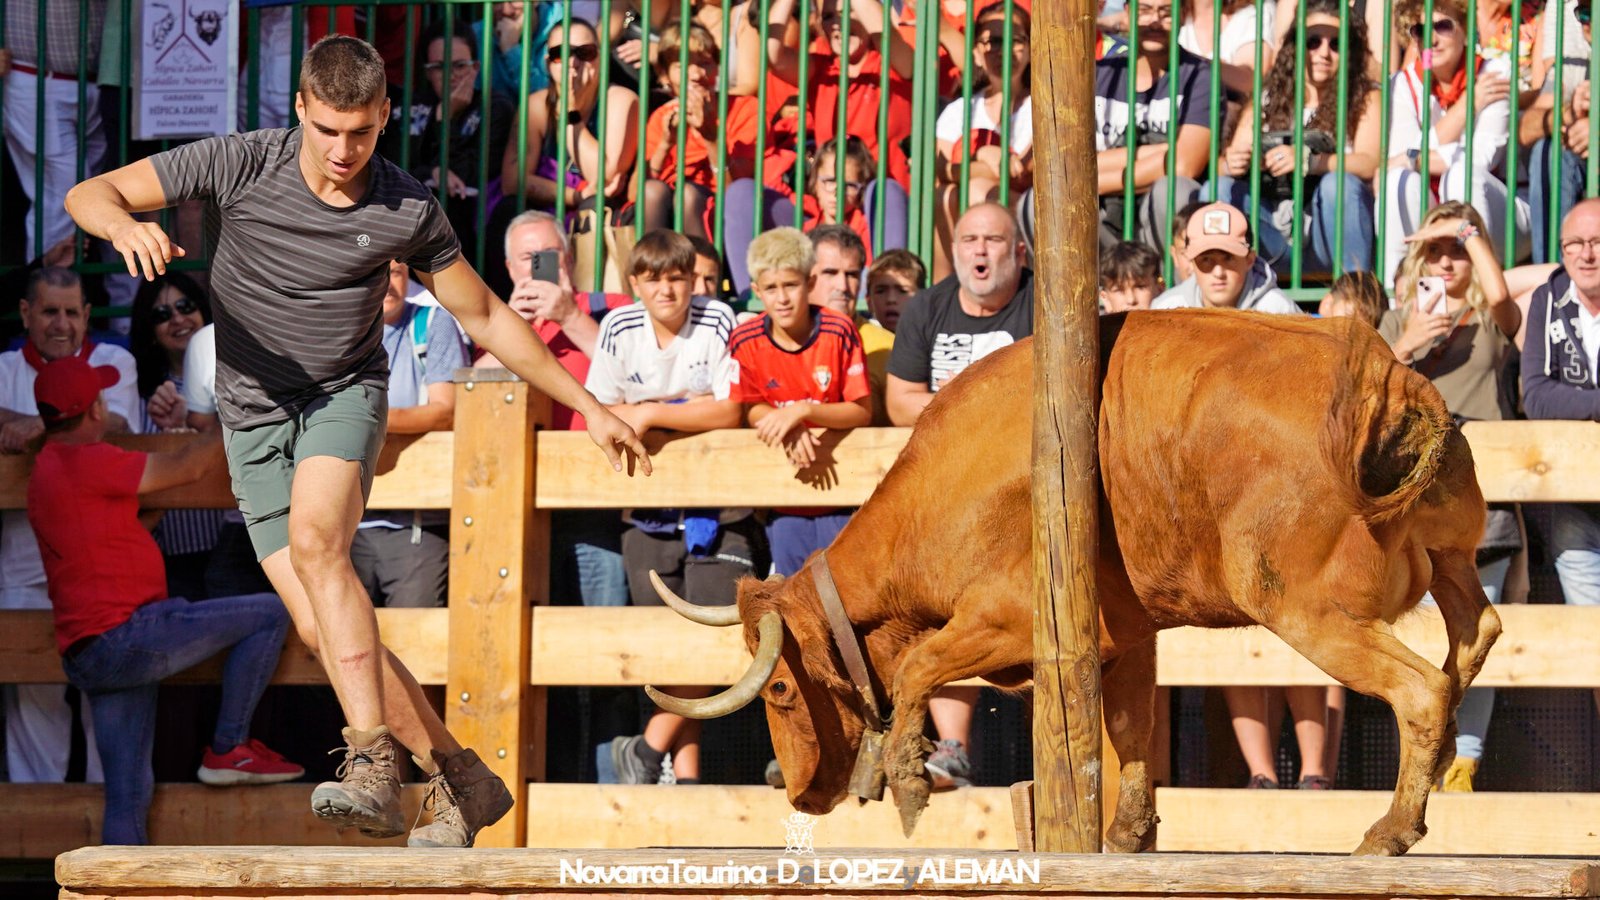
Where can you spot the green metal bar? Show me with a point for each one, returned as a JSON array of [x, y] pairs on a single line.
[[485, 86], [333, 21], [930, 97], [881, 178], [1558, 143], [1256, 102], [1469, 60], [252, 77], [42, 63], [1593, 190], [759, 224], [409, 66], [1130, 185], [83, 103], [604, 62], [842, 107], [801, 96], [1172, 135], [446, 73], [1005, 106], [126, 94], [522, 105], [372, 22], [1385, 85], [1296, 258], [684, 20], [1217, 90], [297, 49], [1425, 104], [1513, 146], [966, 111], [914, 212], [641, 173], [1341, 126], [724, 82], [560, 124]]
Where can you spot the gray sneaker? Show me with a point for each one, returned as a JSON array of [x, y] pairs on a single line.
[[367, 794], [630, 769], [949, 766]]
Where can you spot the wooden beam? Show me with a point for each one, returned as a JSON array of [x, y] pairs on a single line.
[[498, 566], [1536, 461], [350, 872], [1222, 820]]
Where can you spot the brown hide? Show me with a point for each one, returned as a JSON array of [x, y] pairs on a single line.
[[1256, 469]]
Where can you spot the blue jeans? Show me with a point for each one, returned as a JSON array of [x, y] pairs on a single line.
[[586, 558], [1568, 191], [1322, 206], [794, 538], [122, 669], [1575, 543], [1477, 705]]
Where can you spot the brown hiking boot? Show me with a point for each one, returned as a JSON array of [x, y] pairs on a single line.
[[367, 794], [466, 797]]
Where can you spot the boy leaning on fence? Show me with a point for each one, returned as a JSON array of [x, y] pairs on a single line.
[[306, 221]]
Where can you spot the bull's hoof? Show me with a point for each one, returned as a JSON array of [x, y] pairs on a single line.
[[911, 798], [1383, 843], [1137, 837]]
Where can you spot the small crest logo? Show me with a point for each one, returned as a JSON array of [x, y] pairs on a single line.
[[823, 376], [797, 835], [363, 240], [1215, 222]]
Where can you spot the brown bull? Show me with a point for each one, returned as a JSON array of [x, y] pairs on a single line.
[[1256, 470]]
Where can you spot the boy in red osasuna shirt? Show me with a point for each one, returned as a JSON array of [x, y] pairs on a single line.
[[800, 367], [118, 633]]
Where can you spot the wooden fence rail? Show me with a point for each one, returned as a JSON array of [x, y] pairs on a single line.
[[499, 645]]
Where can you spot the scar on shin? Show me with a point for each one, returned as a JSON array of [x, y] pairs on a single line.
[[355, 659], [1271, 581]]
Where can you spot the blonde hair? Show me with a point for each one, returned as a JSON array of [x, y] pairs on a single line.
[[1415, 265], [780, 248]]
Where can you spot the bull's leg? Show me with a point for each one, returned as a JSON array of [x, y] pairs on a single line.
[[971, 644], [1471, 625], [1128, 687], [1367, 657]]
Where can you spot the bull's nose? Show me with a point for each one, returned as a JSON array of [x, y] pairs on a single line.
[[810, 807]]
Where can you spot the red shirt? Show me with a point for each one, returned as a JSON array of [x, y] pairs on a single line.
[[830, 367], [101, 564], [857, 220], [571, 358], [700, 154], [861, 108]]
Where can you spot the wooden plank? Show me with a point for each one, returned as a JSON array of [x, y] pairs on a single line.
[[344, 871], [1542, 646], [1221, 820], [497, 568], [39, 821], [1536, 461], [620, 816], [717, 468], [28, 650]]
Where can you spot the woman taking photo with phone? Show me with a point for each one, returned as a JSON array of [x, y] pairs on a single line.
[[1454, 325], [1318, 162]]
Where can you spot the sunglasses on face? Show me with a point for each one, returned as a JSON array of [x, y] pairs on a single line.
[[580, 52], [1583, 14], [183, 306], [456, 65], [1440, 27], [1317, 39]]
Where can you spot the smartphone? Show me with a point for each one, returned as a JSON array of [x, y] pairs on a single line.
[[1430, 295], [547, 266]]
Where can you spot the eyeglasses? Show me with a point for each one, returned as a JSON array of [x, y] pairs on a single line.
[[1316, 40], [581, 52], [1574, 246], [1440, 26], [850, 187], [1153, 14], [456, 65], [183, 306]]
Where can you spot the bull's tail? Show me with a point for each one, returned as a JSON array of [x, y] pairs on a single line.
[[1391, 428]]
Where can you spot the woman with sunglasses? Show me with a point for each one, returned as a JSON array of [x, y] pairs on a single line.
[[166, 314], [1442, 113], [1280, 164], [1454, 324]]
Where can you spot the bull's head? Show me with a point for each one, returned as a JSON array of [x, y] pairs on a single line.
[[813, 712]]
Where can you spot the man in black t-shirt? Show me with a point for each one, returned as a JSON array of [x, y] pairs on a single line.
[[987, 304]]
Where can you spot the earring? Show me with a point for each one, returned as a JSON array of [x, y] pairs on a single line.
[[381, 131]]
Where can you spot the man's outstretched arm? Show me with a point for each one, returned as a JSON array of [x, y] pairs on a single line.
[[104, 206]]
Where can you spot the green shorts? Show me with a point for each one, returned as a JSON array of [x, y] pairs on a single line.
[[348, 424]]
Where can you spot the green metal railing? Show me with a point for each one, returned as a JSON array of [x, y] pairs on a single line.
[[931, 171]]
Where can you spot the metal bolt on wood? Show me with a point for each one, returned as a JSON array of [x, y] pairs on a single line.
[[467, 521], [504, 572], [465, 696]]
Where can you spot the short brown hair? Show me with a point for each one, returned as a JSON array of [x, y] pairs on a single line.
[[1365, 294], [701, 45], [1129, 262], [661, 252], [903, 263], [344, 72]]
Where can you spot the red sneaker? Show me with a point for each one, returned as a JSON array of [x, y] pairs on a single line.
[[252, 762]]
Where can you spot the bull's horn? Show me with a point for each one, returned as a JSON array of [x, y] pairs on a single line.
[[744, 690], [705, 615]]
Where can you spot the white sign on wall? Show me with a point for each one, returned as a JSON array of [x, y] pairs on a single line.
[[185, 68]]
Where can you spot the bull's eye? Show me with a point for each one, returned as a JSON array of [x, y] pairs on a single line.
[[779, 689]]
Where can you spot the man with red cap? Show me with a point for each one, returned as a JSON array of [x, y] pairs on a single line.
[[118, 633]]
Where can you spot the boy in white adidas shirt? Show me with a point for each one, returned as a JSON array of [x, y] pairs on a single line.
[[664, 363]]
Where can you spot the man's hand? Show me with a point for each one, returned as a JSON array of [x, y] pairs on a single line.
[[16, 434], [537, 301], [454, 186], [616, 436], [1236, 161], [1578, 137], [508, 28], [62, 253], [775, 427], [145, 248], [167, 408], [1491, 89], [1581, 99], [628, 52]]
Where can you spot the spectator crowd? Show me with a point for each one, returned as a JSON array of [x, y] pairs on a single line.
[[712, 222]]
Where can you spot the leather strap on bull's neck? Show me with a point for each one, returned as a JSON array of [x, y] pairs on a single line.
[[844, 637]]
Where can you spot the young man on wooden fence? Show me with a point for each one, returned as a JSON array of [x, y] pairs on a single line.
[[306, 221]]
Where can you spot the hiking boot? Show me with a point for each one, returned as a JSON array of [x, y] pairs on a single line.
[[1458, 778], [1262, 782], [252, 762], [465, 797], [949, 766], [1315, 783], [367, 794], [626, 765]]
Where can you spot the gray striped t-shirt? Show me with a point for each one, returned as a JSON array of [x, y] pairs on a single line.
[[298, 284]]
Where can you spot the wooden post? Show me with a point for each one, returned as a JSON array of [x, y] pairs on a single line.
[[1066, 696], [498, 570]]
